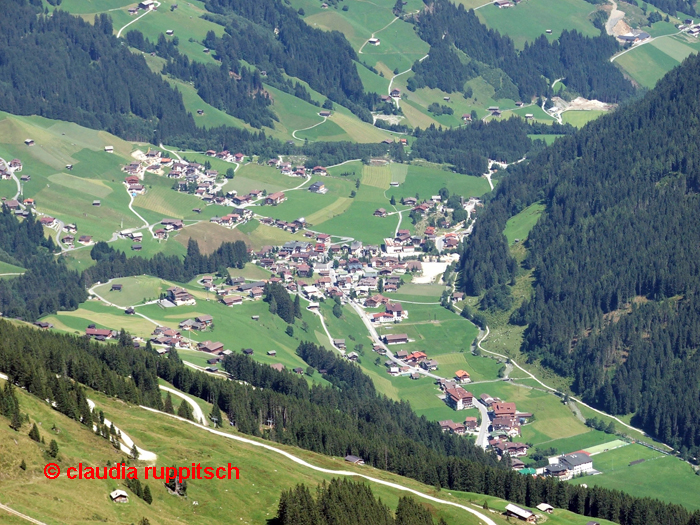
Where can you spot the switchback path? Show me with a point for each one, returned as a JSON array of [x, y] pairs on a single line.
[[126, 444], [484, 519], [294, 133], [359, 52], [398, 75]]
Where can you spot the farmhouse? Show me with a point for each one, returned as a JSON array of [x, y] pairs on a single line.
[[318, 187], [354, 460], [231, 300], [116, 288], [520, 513], [501, 4], [119, 496], [180, 296], [100, 333], [545, 507], [395, 93], [458, 398], [462, 376], [380, 212], [211, 347], [275, 198], [374, 41], [324, 113], [319, 170], [47, 221], [395, 339], [504, 409], [452, 427]]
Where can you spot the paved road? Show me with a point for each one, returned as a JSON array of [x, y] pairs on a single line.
[[484, 518]]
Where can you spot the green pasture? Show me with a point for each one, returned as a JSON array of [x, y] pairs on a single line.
[[428, 180], [372, 82], [662, 477], [10, 268], [580, 118], [135, 290], [519, 226], [531, 18], [582, 441], [548, 139]]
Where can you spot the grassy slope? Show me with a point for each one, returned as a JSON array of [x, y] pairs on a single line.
[[68, 195], [251, 499], [530, 19], [519, 226]]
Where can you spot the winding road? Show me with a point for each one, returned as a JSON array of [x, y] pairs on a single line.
[[398, 75], [119, 33], [484, 519], [294, 133], [196, 409], [126, 444]]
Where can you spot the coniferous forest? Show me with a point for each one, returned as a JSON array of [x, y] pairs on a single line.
[[345, 502], [615, 301]]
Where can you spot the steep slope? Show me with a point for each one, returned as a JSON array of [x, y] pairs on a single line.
[[615, 257]]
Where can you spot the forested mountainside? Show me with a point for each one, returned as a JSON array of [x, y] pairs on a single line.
[[583, 61], [331, 420], [46, 285], [619, 239], [672, 6]]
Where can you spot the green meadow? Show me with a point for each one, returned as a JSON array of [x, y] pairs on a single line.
[[530, 19], [580, 118], [663, 477], [251, 499], [519, 226]]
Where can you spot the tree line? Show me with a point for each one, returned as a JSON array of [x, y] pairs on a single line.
[[345, 502]]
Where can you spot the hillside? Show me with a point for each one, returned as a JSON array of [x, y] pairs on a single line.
[[613, 258]]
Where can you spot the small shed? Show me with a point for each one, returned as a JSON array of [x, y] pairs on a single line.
[[355, 460], [272, 352], [119, 496], [116, 288], [545, 507]]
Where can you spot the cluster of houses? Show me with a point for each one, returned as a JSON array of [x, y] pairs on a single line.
[[100, 334], [226, 156], [15, 165], [689, 27], [404, 362], [286, 168]]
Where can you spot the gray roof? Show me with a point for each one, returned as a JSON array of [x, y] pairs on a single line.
[[576, 460]]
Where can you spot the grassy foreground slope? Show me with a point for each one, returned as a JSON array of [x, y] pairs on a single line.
[[252, 498]]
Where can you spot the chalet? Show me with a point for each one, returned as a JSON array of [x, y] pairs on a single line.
[[339, 343], [467, 117], [272, 352], [274, 162], [238, 157], [324, 113], [109, 149], [103, 333], [409, 201], [486, 400], [248, 351], [28, 142], [502, 4], [256, 293], [354, 460], [518, 512], [16, 165], [116, 288], [180, 296], [506, 424], [213, 360], [231, 300], [512, 449], [12, 204], [319, 170], [429, 364], [43, 325], [205, 319], [382, 317], [373, 41], [462, 376], [318, 187], [47, 221], [298, 370], [504, 409], [25, 178], [395, 93], [458, 398], [452, 427], [277, 366], [546, 507], [395, 339], [211, 347], [119, 496], [68, 239], [380, 212], [471, 423], [275, 198], [172, 224], [375, 300]]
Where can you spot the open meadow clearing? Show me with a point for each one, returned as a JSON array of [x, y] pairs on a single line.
[[135, 290], [519, 226], [580, 118], [426, 180], [530, 19]]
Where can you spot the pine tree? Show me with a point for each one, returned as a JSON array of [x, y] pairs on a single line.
[[168, 406], [134, 452], [53, 449], [16, 421], [34, 433], [297, 307], [185, 410], [23, 465], [147, 494], [273, 306], [215, 415]]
